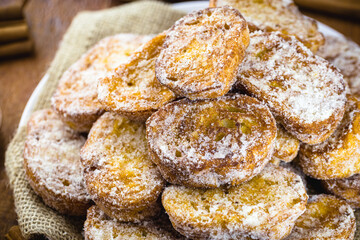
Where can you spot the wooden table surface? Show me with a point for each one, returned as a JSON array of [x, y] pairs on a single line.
[[48, 20]]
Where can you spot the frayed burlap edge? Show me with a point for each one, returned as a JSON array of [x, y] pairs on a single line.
[[87, 28]]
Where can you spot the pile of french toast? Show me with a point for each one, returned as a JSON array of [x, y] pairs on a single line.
[[213, 129]]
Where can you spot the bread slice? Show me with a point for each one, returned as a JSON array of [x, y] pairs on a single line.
[[99, 226], [213, 142], [52, 163], [75, 98], [132, 90], [119, 176], [306, 94], [202, 52], [326, 218], [277, 15], [265, 207]]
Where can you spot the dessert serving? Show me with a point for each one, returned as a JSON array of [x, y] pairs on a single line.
[[212, 129]]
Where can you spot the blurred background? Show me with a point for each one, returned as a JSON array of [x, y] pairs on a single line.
[[30, 32]]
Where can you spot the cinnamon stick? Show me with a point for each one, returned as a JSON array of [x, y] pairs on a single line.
[[15, 48], [7, 23], [13, 33], [11, 9]]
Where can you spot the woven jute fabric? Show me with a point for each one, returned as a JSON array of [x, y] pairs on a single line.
[[87, 28]]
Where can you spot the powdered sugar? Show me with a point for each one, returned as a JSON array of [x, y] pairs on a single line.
[[265, 207], [133, 87], [345, 188], [202, 52], [52, 155], [118, 171], [212, 142], [278, 15], [76, 94], [326, 217], [99, 226], [344, 54], [300, 88], [338, 156]]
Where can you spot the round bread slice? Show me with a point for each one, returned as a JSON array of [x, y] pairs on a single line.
[[214, 142], [202, 52], [338, 156], [119, 175], [277, 15], [99, 226], [326, 218], [345, 188], [286, 146], [75, 98], [303, 91], [265, 207], [132, 90], [345, 55], [52, 163]]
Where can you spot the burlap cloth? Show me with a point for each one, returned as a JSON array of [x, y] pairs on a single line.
[[86, 29]]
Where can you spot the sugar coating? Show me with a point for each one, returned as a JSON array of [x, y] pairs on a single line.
[[345, 188], [326, 217], [118, 173], [265, 207], [208, 143], [76, 94], [52, 158], [304, 91], [345, 55], [338, 156], [132, 87], [99, 226], [277, 15], [202, 52]]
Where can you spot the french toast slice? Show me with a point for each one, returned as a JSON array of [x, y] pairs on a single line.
[[99, 226], [52, 163], [345, 55], [277, 15], [202, 52], [326, 218], [119, 176], [338, 156], [265, 207], [345, 188], [75, 98], [132, 90], [213, 142], [306, 94]]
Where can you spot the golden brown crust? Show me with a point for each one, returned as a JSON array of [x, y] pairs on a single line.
[[286, 146], [132, 90], [326, 218], [75, 98], [202, 52], [52, 163], [265, 207], [119, 176], [338, 156], [277, 15], [345, 188], [214, 142], [303, 91], [99, 226]]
